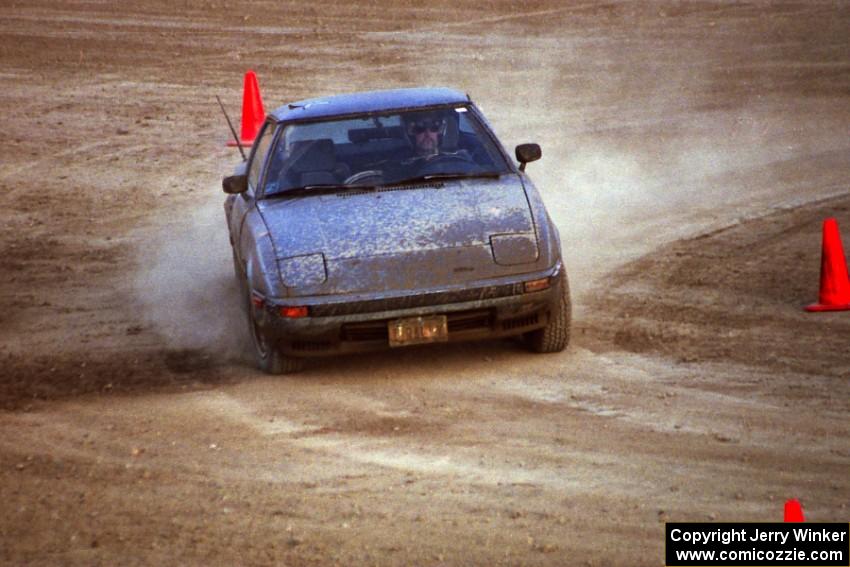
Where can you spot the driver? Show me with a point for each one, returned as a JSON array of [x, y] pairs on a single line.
[[429, 140], [425, 132]]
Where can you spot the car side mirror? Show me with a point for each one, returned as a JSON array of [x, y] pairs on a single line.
[[235, 184], [526, 153]]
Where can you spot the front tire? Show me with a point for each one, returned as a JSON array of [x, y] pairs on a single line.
[[270, 358], [555, 336]]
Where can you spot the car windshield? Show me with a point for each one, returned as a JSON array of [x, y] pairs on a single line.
[[382, 149]]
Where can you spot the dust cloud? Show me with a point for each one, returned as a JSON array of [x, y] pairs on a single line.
[[617, 197], [186, 282]]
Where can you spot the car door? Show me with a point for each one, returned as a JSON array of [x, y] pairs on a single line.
[[244, 202]]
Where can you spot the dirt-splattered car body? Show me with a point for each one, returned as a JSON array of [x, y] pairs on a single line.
[[341, 229]]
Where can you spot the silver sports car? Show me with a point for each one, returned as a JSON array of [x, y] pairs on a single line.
[[386, 219]]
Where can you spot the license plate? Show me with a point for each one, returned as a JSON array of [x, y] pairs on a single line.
[[418, 330]]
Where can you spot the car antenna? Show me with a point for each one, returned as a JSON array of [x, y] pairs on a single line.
[[232, 129]]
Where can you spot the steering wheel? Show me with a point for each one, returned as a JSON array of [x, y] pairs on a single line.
[[366, 174], [438, 163]]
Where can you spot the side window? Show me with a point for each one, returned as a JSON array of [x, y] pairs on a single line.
[[474, 139], [259, 156], [465, 125]]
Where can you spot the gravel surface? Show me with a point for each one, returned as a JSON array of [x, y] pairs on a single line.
[[690, 154]]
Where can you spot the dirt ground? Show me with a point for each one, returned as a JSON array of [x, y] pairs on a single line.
[[691, 152]]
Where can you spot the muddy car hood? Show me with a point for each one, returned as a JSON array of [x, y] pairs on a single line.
[[427, 234]]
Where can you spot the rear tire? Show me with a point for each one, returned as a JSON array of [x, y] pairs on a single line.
[[555, 336], [270, 358]]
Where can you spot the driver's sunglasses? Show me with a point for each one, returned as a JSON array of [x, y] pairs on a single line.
[[433, 126]]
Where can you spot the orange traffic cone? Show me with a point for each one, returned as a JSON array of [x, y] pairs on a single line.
[[834, 282], [253, 113], [794, 511]]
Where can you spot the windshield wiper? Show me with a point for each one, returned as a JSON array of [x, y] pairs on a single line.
[[336, 187], [440, 176], [322, 189], [318, 190]]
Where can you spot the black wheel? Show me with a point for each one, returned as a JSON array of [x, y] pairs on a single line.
[[269, 357], [555, 336]]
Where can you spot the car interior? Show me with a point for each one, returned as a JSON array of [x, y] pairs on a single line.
[[321, 161]]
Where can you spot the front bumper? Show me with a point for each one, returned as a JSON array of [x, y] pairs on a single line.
[[344, 324]]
